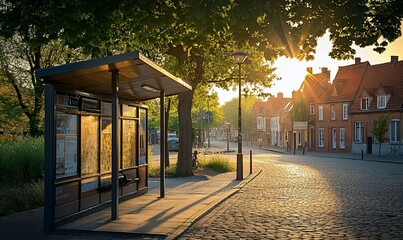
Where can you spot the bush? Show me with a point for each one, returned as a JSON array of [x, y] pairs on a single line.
[[22, 160], [23, 197], [218, 163], [155, 171]]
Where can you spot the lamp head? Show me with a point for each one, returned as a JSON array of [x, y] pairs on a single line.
[[239, 56]]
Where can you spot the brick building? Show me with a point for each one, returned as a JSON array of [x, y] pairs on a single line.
[[333, 123], [380, 93]]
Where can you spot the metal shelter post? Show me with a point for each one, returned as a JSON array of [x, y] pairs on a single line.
[[115, 144], [50, 154], [163, 143]]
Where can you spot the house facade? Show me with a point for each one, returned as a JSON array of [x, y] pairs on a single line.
[[266, 125], [333, 121], [340, 116], [379, 94]]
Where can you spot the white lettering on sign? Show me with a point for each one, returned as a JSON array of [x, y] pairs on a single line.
[[300, 125]]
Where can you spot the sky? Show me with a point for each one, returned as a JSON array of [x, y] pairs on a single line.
[[293, 71]]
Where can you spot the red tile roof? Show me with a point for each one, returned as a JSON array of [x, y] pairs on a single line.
[[386, 78], [345, 83]]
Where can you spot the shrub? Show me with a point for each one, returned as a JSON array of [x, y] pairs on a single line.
[[218, 163], [22, 160], [22, 197]]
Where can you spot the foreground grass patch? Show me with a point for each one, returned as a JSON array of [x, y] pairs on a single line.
[[218, 163], [21, 197]]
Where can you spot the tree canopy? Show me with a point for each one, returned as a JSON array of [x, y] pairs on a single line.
[[194, 38]]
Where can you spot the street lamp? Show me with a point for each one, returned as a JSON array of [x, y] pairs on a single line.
[[239, 57]]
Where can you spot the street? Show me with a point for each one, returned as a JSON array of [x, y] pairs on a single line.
[[300, 196]]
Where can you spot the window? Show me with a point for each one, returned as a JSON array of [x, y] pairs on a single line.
[[364, 103], [321, 137], [311, 108], [342, 136], [261, 122], [394, 131], [381, 101], [345, 111], [359, 132], [332, 112], [320, 112], [333, 137]]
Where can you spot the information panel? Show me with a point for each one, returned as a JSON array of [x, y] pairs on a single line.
[[66, 145], [89, 145], [129, 143], [106, 145], [143, 137]]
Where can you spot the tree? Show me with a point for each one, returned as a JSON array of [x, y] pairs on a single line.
[[231, 114], [200, 34], [379, 130]]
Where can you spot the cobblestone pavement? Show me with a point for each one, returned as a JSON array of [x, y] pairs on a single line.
[[301, 197]]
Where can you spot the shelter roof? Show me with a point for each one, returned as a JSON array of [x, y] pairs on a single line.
[[139, 78]]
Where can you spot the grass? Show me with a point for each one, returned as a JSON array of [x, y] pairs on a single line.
[[23, 197], [217, 163], [22, 172], [21, 160], [154, 171]]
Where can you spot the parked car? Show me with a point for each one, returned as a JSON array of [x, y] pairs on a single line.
[[173, 144]]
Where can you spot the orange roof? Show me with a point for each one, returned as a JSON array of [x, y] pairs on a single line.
[[385, 78], [315, 85], [345, 83]]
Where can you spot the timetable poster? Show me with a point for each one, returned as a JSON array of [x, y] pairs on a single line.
[[66, 145]]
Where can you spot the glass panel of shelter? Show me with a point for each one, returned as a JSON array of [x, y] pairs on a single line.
[[83, 151]]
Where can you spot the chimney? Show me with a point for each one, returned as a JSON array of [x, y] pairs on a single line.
[[280, 95], [357, 60], [324, 69], [309, 70], [394, 59]]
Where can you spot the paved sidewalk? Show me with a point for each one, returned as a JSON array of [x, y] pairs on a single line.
[[148, 216], [353, 156]]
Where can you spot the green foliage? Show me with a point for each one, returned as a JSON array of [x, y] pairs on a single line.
[[379, 130], [230, 110], [21, 160], [154, 171], [21, 197], [218, 163]]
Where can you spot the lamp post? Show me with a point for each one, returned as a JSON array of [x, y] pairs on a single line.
[[239, 57]]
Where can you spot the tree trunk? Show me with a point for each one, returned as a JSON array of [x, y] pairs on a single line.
[[184, 165], [379, 151]]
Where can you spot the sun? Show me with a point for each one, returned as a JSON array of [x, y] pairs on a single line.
[[292, 72]]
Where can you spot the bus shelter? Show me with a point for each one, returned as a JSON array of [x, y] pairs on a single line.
[[96, 135]]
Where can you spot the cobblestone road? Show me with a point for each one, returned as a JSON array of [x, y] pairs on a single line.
[[300, 197]]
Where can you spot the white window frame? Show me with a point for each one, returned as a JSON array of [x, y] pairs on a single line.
[[345, 111], [312, 108], [342, 138], [321, 137], [332, 112], [381, 102], [320, 113], [366, 100], [359, 132], [260, 122], [334, 137], [394, 130]]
